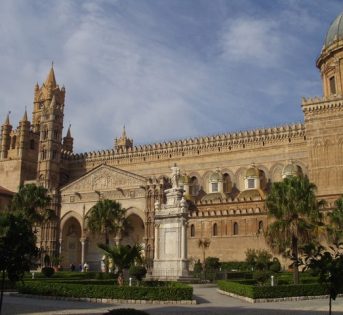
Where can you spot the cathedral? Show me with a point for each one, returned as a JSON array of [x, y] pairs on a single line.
[[224, 178]]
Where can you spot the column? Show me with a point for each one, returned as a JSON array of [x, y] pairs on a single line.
[[83, 245], [156, 256], [183, 239]]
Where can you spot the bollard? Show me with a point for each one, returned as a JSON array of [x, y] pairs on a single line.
[[33, 275], [272, 281], [130, 282]]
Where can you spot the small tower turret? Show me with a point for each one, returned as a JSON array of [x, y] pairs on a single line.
[[68, 141], [123, 143], [24, 135], [5, 140]]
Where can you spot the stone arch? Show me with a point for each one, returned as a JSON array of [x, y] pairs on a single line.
[[136, 227], [71, 233], [195, 183], [71, 214], [276, 172], [205, 180]]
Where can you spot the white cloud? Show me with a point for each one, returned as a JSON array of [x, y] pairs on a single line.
[[251, 40]]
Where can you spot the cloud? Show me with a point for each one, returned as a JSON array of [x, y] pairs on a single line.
[[168, 71], [251, 41]]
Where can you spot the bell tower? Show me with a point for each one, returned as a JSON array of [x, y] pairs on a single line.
[[47, 119], [324, 116]]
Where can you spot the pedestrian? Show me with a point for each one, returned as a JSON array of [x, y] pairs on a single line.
[[85, 267], [120, 279]]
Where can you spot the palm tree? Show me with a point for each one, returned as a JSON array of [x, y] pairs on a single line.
[[32, 201], [294, 210], [204, 244], [123, 256], [106, 217], [335, 229]]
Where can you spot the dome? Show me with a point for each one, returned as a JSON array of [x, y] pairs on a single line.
[[252, 172], [335, 31]]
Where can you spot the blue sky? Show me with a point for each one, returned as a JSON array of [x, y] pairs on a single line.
[[166, 69]]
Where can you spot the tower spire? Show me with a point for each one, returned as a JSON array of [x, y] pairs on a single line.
[[7, 120], [68, 132], [25, 115], [51, 80]]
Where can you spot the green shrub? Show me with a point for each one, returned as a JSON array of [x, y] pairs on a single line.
[[263, 292], [126, 311], [169, 291], [48, 271], [234, 265], [197, 270], [275, 266], [138, 272], [262, 277], [239, 275], [212, 266]]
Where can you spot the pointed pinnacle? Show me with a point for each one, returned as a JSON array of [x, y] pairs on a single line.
[[25, 116], [68, 132], [50, 80], [7, 121]]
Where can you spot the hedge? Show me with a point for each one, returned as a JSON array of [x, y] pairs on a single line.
[[172, 291], [263, 292]]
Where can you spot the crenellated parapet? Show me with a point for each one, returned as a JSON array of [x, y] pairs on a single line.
[[319, 104], [230, 208], [196, 146]]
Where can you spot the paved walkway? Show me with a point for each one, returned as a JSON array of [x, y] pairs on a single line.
[[210, 302]]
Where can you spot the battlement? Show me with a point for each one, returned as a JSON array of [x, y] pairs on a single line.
[[321, 103], [197, 145]]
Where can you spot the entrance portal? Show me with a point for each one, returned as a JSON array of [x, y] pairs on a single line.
[[71, 245], [135, 233]]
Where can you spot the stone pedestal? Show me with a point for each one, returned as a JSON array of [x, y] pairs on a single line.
[[170, 258]]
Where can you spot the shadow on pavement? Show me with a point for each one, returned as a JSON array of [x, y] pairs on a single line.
[[232, 310]]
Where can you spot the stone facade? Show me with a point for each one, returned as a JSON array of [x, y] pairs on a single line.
[[5, 198], [225, 177]]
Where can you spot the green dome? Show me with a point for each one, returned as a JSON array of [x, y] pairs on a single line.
[[335, 31]]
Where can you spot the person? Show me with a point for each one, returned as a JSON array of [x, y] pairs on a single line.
[[85, 267], [72, 267], [80, 267], [120, 279]]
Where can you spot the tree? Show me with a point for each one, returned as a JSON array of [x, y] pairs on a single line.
[[328, 265], [106, 217], [259, 259], [32, 201], [123, 256], [335, 228], [204, 244], [294, 209], [17, 247]]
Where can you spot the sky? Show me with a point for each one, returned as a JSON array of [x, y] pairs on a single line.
[[166, 69]]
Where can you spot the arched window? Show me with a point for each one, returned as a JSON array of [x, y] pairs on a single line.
[[32, 144], [194, 186], [227, 183], [215, 229], [14, 141], [235, 228], [260, 227], [192, 230]]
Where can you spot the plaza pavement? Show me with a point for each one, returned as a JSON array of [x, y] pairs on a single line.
[[209, 302]]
